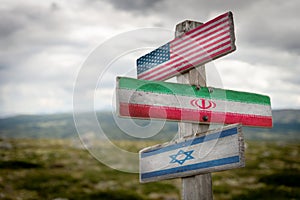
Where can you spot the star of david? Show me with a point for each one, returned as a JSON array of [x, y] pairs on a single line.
[[181, 156]]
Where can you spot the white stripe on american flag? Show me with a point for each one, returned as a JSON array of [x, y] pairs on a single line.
[[193, 61], [181, 57], [207, 35], [156, 72], [196, 45], [196, 42], [191, 40], [201, 29], [188, 43]]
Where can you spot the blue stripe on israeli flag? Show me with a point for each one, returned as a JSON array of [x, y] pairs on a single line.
[[218, 162], [217, 150], [195, 141]]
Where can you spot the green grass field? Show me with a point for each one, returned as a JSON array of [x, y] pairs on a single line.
[[55, 169]]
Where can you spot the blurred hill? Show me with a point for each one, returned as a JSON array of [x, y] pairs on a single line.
[[60, 126], [286, 127]]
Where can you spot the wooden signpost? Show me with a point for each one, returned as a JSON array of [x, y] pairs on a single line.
[[181, 102], [197, 152], [198, 186], [217, 150]]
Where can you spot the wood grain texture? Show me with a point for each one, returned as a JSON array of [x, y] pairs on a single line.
[[192, 184], [216, 150], [198, 186]]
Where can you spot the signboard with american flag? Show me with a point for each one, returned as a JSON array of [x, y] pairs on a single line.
[[206, 42]]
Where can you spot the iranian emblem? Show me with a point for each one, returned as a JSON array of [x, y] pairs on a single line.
[[203, 103]]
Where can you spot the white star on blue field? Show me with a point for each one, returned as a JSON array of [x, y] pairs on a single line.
[[188, 156], [154, 58]]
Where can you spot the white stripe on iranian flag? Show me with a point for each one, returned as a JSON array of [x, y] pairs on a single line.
[[192, 103]]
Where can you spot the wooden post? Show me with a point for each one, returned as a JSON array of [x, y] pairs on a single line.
[[195, 187]]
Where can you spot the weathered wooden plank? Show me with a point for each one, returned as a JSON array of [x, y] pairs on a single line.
[[198, 186], [200, 45], [217, 150], [186, 103]]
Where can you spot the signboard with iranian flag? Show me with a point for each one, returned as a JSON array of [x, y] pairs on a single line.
[[180, 102]]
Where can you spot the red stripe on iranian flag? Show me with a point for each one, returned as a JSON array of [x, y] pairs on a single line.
[[189, 115], [192, 102]]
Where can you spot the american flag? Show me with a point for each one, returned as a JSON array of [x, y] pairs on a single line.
[[198, 46]]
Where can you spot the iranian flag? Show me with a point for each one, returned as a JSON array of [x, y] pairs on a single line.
[[180, 102]]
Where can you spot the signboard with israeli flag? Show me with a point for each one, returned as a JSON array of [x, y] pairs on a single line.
[[217, 150]]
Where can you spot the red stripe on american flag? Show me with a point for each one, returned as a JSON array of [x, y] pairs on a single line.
[[161, 112], [203, 26], [190, 63], [190, 52], [201, 61], [196, 42], [190, 38], [206, 52], [179, 59]]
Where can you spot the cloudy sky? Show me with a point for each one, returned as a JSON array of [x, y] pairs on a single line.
[[44, 46]]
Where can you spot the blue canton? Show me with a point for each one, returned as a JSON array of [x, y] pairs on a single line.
[[187, 156], [154, 58]]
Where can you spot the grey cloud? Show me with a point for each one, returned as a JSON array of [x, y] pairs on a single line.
[[24, 16], [275, 27], [38, 39], [32, 24], [133, 5], [9, 24], [258, 23], [274, 36], [28, 31], [54, 6]]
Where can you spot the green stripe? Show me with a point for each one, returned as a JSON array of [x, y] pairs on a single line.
[[191, 91]]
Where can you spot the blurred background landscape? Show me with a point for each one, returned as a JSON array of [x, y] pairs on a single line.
[[42, 158], [286, 127]]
